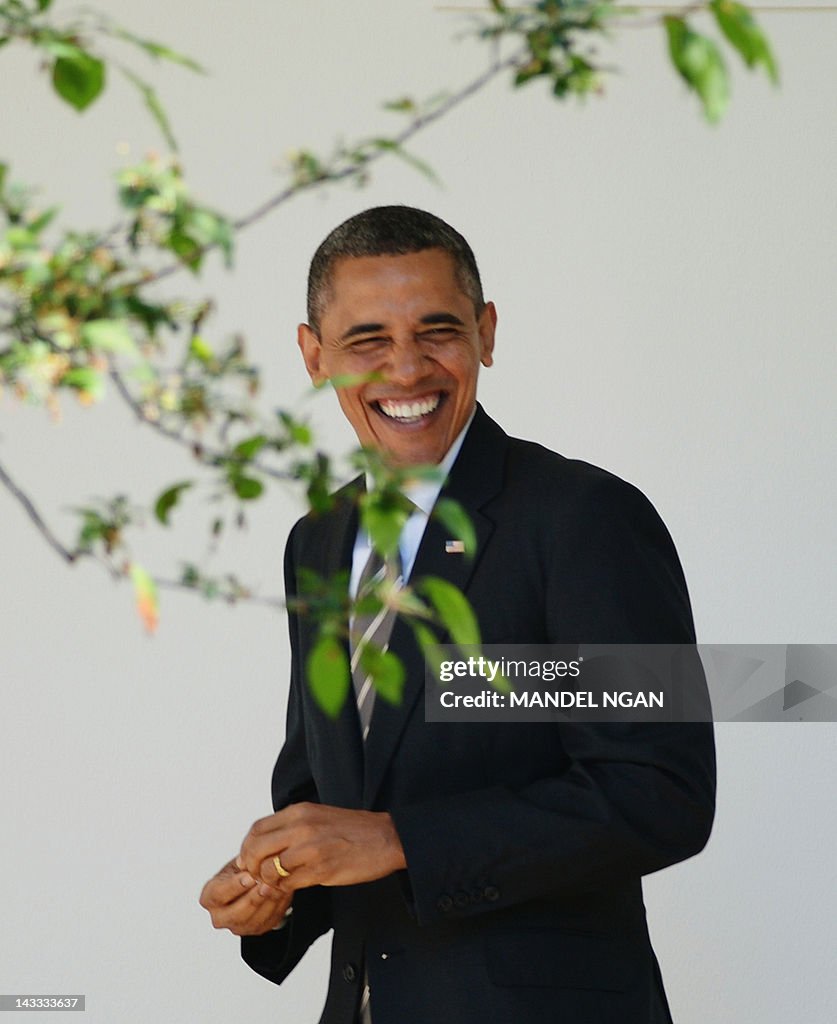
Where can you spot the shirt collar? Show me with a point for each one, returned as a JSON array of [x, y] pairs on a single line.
[[423, 493]]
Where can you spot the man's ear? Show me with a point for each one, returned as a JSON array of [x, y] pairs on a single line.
[[311, 349], [487, 324]]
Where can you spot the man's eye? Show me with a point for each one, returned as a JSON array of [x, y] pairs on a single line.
[[367, 344], [438, 334]]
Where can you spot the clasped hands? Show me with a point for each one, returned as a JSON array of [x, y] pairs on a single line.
[[317, 845]]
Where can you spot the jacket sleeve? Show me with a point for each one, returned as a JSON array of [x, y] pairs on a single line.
[[626, 799], [276, 953]]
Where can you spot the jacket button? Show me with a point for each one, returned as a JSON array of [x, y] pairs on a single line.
[[491, 893], [461, 900], [444, 903], [349, 972]]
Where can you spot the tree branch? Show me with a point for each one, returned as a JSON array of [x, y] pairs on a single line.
[[672, 8], [206, 455], [241, 594], [28, 506], [415, 126], [399, 140], [244, 596]]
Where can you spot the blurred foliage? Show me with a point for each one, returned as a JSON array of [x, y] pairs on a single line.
[[559, 44], [83, 313]]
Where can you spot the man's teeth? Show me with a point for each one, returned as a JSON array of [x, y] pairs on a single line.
[[409, 410]]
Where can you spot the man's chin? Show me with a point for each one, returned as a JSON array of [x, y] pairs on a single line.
[[414, 451], [416, 443]]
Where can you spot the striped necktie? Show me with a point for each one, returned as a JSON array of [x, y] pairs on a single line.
[[371, 628]]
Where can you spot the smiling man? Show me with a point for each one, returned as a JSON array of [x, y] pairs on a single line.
[[479, 873], [415, 320]]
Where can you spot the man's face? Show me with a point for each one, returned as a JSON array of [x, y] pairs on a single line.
[[406, 320]]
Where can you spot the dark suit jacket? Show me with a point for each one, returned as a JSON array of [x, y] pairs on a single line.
[[525, 843]]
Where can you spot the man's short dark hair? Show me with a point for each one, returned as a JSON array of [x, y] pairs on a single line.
[[389, 231]]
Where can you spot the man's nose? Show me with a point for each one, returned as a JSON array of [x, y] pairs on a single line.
[[406, 363]]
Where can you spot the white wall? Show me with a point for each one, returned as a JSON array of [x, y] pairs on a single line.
[[667, 309]]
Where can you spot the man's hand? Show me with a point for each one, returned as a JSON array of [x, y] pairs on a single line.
[[321, 845], [237, 901]]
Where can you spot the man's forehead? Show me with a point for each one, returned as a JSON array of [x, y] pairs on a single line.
[[397, 283], [434, 261]]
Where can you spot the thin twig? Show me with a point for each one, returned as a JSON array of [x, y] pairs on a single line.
[[246, 596], [668, 8], [71, 557], [23, 499], [208, 456], [404, 136], [659, 13]]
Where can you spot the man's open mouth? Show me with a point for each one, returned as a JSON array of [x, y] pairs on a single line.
[[409, 411]]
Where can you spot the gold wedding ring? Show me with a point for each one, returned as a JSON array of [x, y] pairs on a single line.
[[280, 871]]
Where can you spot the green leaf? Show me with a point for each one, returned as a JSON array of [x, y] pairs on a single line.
[[298, 432], [394, 147], [92, 529], [407, 603], [207, 228], [701, 66], [85, 380], [4, 170], [21, 238], [249, 448], [78, 77], [200, 350], [429, 645], [427, 471], [60, 46], [453, 609], [247, 487], [168, 499], [186, 249], [745, 35], [108, 336], [387, 672], [350, 380], [456, 519], [160, 52], [42, 221], [383, 519], [328, 674], [318, 491], [154, 107], [403, 105], [44, 4]]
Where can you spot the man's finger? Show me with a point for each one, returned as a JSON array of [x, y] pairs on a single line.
[[271, 835], [289, 860], [251, 913], [302, 878], [220, 891], [259, 847], [225, 887]]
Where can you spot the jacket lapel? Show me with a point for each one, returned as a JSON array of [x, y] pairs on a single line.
[[342, 750], [476, 477]]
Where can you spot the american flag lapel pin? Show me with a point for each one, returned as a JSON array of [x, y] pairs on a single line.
[[454, 547]]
